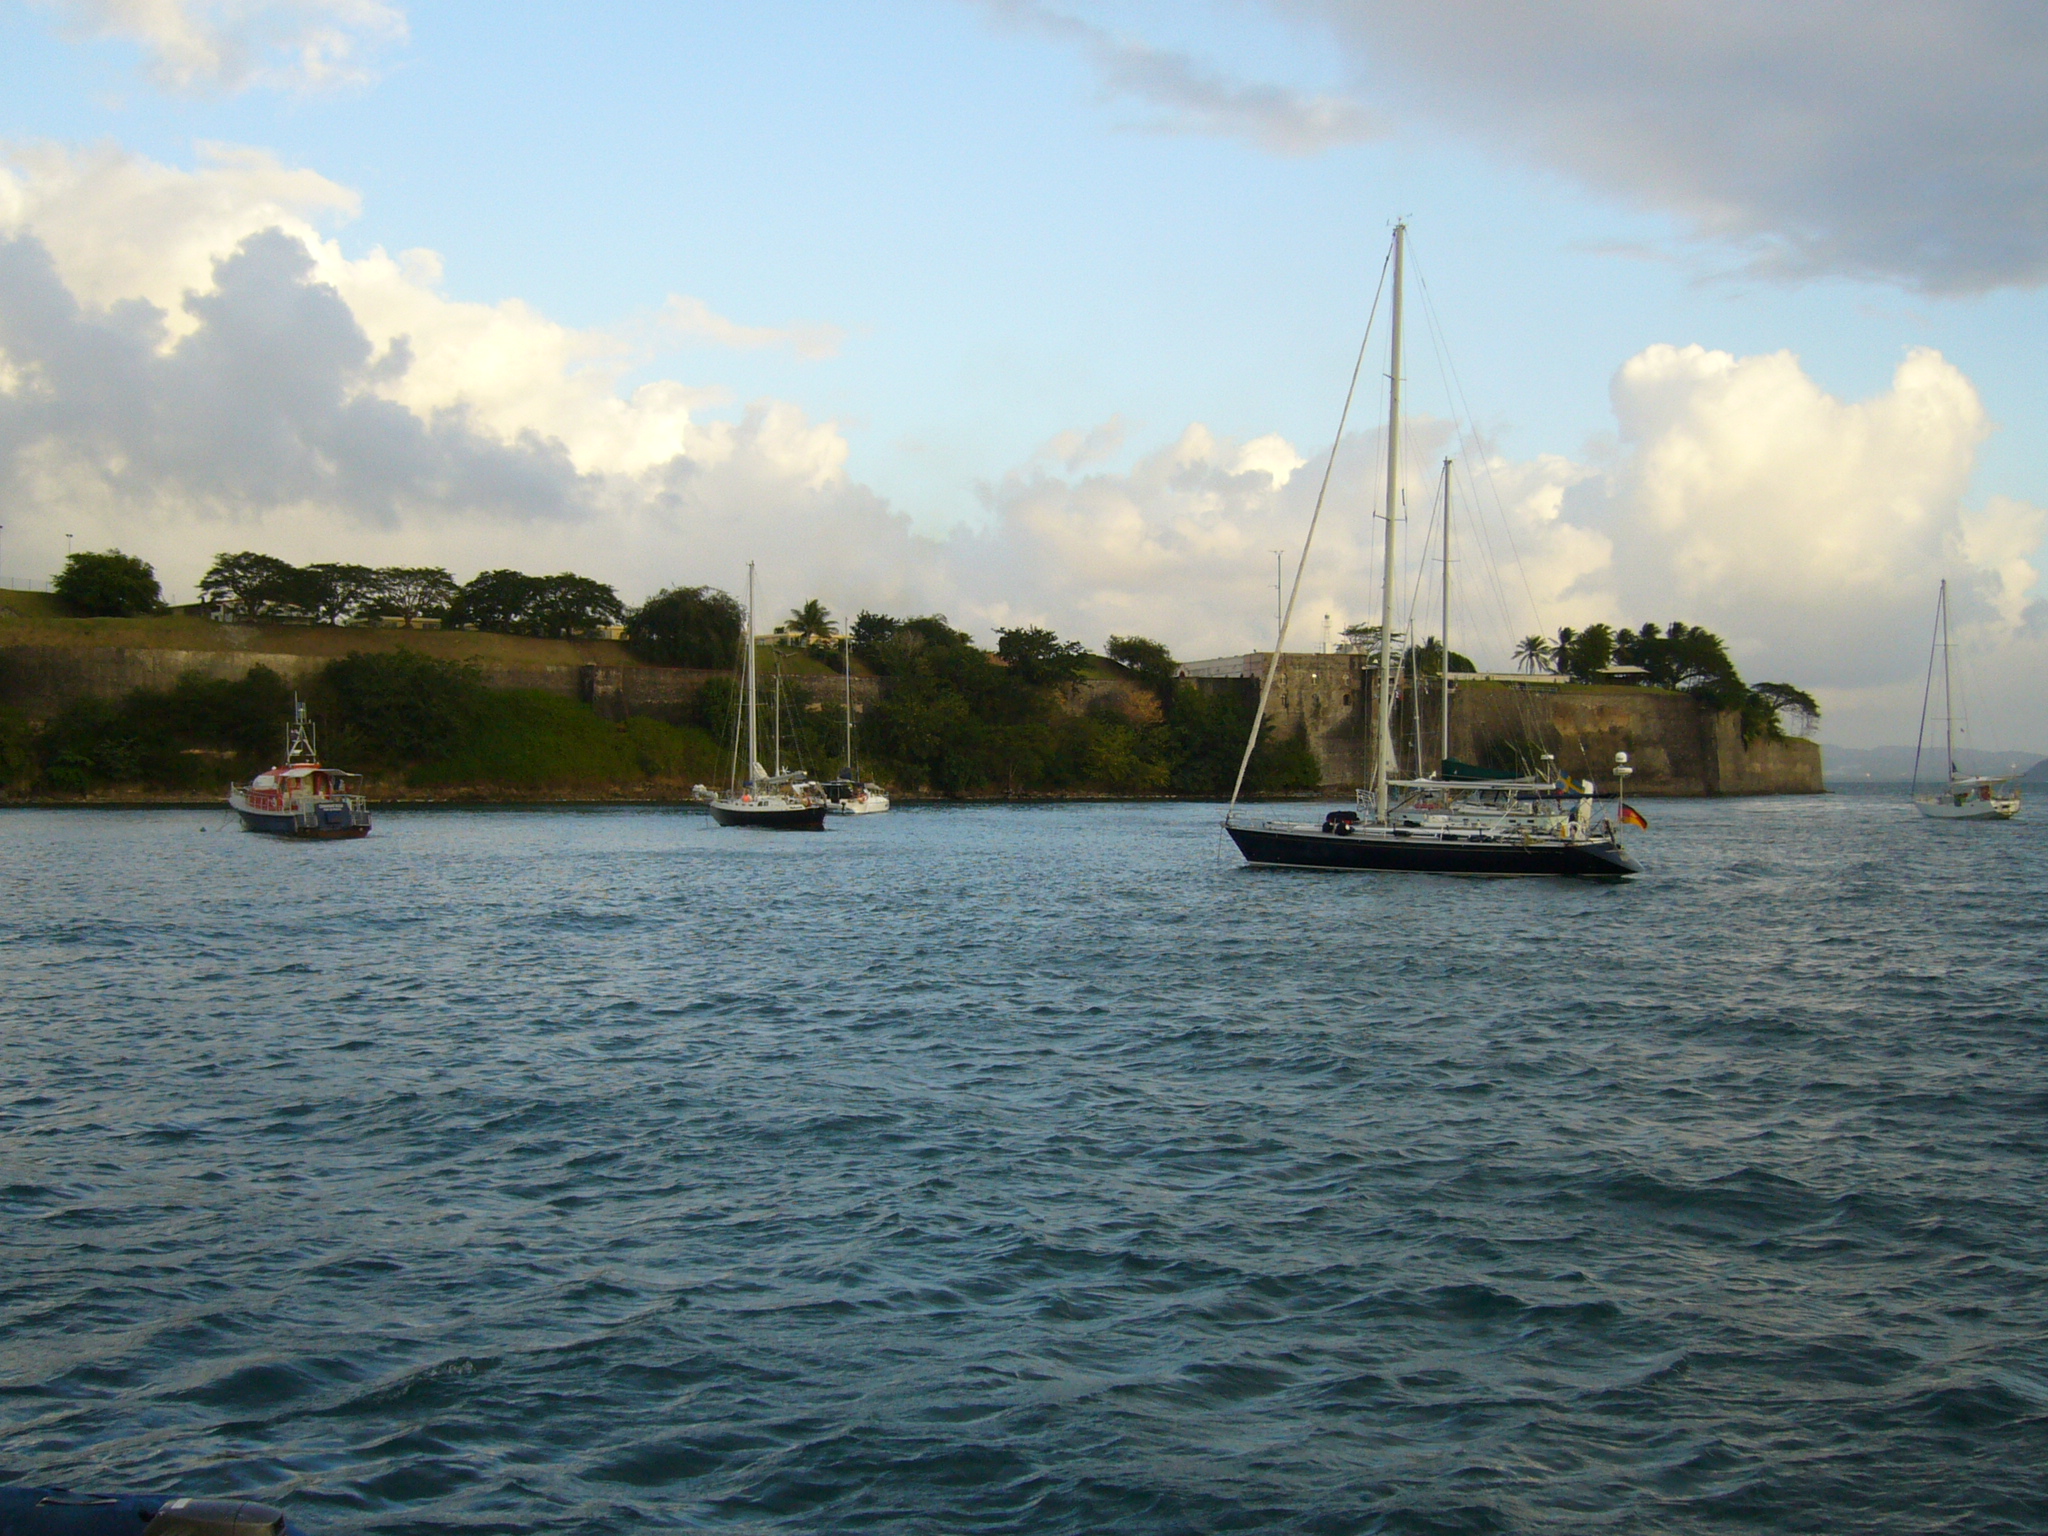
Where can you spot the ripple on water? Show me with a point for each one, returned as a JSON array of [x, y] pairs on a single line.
[[1033, 1169]]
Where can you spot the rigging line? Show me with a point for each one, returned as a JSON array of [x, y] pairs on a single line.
[[1465, 404], [1470, 447], [1287, 618], [1440, 344], [1490, 567], [1927, 693]]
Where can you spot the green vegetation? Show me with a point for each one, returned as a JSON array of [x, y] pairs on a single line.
[[688, 627], [1680, 656], [546, 607], [108, 585], [406, 719], [958, 721], [194, 736], [255, 587]]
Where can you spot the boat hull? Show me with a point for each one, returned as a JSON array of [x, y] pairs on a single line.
[[867, 807], [1373, 849], [1970, 810], [320, 826], [796, 818]]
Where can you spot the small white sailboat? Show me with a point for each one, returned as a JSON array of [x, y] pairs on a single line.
[[778, 801], [1961, 796], [849, 794]]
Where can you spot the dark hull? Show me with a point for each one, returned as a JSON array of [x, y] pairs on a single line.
[[810, 818], [288, 826], [1311, 849]]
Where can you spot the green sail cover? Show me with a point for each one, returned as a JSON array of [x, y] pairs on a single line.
[[1472, 773]]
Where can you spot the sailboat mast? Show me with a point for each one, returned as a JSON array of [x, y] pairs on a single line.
[[1444, 671], [1384, 686], [1948, 709], [847, 668], [753, 724]]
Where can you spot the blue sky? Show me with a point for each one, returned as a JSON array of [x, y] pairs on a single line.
[[1011, 240]]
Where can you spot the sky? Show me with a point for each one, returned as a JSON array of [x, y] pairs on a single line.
[[1044, 313]]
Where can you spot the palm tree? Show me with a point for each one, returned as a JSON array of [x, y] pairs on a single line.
[[810, 624], [1534, 653]]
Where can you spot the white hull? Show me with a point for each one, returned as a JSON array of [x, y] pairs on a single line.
[[867, 805], [1945, 808]]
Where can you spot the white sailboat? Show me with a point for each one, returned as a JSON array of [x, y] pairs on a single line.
[[850, 794], [1961, 796], [779, 801]]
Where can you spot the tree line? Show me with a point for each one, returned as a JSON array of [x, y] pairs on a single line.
[[1678, 655], [959, 720], [407, 717], [256, 587]]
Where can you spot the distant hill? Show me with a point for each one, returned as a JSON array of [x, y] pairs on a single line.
[[1847, 765]]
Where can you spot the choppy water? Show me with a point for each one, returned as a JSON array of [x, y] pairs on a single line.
[[1034, 1169]]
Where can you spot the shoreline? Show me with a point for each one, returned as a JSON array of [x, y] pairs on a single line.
[[485, 800]]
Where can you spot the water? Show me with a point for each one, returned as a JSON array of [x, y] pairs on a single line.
[[1035, 1169]]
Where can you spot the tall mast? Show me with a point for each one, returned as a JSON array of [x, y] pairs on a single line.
[[753, 727], [1948, 709], [1383, 689], [1444, 671], [847, 667]]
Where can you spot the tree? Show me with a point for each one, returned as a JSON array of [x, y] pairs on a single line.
[[811, 624], [1430, 657], [1581, 653], [493, 600], [415, 591], [247, 585], [331, 593], [1039, 657], [108, 585], [1152, 662], [403, 706], [1680, 656], [548, 607], [566, 605], [1533, 654], [1783, 698], [872, 631], [688, 627]]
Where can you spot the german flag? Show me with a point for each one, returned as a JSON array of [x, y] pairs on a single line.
[[1631, 817]]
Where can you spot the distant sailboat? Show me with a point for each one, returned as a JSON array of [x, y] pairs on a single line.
[[754, 797], [1961, 797], [850, 794]]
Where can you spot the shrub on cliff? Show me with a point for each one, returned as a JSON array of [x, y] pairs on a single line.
[[687, 627], [1040, 657], [108, 585], [401, 706], [201, 732]]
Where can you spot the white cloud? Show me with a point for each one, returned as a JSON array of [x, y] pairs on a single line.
[[206, 47], [189, 362], [1189, 98], [694, 318]]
